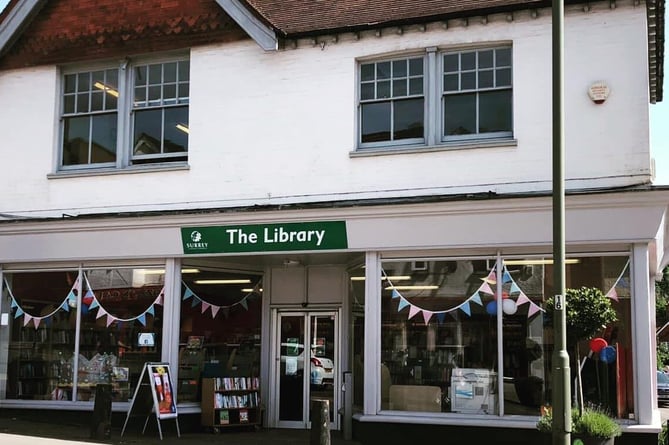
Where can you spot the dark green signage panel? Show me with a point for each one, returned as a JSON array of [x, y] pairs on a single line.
[[319, 235]]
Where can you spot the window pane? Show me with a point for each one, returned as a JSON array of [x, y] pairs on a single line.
[[41, 348], [184, 92], [468, 61], [84, 83], [495, 111], [367, 72], [399, 88], [140, 97], [97, 100], [383, 70], [416, 66], [468, 81], [170, 72], [170, 93], [68, 104], [147, 136], [485, 59], [155, 74], [503, 77], [140, 75], [155, 95], [460, 114], [184, 71], [367, 91], [416, 86], [103, 148], [408, 119], [451, 82], [75, 140], [426, 358], [383, 90], [176, 138], [451, 63], [503, 57], [375, 122], [485, 79], [399, 68], [82, 103], [70, 83]]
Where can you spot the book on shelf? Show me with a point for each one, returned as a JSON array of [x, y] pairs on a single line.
[[243, 415], [224, 417]]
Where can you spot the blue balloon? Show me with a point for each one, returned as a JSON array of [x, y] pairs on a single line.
[[608, 354], [491, 308]]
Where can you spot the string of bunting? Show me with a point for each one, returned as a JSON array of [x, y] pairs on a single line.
[[189, 294], [89, 301], [509, 305], [70, 300]]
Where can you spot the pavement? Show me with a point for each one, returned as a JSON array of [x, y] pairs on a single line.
[[45, 427]]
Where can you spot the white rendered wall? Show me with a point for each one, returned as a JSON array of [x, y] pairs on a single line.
[[279, 127]]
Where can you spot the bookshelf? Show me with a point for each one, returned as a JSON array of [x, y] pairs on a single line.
[[231, 402]]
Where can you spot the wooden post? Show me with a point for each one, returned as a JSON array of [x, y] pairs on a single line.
[[320, 422], [101, 422]]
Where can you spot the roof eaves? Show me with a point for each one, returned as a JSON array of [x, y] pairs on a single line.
[[263, 35], [17, 19]]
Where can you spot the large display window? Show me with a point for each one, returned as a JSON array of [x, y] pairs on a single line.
[[72, 329], [443, 347], [219, 334]]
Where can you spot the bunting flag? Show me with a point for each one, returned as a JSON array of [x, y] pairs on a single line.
[[90, 302], [441, 315], [620, 281], [205, 305], [36, 320], [521, 299]]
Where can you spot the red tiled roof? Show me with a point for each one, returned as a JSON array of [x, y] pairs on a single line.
[[300, 17]]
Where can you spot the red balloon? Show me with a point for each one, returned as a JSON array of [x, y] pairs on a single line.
[[597, 344]]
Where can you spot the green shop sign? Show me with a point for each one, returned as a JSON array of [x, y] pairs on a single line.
[[322, 235]]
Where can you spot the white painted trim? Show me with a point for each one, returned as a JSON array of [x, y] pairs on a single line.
[[15, 20], [264, 36], [643, 335], [372, 360]]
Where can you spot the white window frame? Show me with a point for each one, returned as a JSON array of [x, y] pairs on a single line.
[[125, 118], [433, 93]]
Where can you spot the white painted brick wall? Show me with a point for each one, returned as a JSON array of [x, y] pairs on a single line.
[[278, 127]]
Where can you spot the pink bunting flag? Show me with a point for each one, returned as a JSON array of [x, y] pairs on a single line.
[[522, 299], [159, 300], [426, 316], [413, 310], [205, 306], [612, 294], [214, 310], [532, 310], [485, 287], [110, 320], [101, 312], [26, 319], [36, 321]]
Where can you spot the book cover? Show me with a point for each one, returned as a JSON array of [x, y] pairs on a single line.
[[243, 416], [223, 417]]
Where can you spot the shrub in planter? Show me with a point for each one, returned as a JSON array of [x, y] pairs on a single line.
[[593, 426]]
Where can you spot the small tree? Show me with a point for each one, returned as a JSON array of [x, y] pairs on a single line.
[[588, 312]]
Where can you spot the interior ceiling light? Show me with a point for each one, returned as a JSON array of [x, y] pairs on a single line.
[[392, 278], [235, 281], [183, 128], [412, 287], [538, 262], [106, 89], [162, 271], [248, 289]]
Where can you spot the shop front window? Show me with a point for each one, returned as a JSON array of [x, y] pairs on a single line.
[[439, 335], [219, 336], [120, 329]]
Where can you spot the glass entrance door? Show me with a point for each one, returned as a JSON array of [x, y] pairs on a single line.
[[307, 356]]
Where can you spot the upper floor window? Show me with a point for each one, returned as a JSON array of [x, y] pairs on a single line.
[[127, 115], [436, 98]]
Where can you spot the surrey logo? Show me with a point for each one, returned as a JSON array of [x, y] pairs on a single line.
[[196, 241]]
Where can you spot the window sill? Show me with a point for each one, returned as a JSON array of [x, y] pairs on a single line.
[[460, 145], [115, 171]]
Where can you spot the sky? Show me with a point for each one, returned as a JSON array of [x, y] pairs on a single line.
[[659, 126]]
